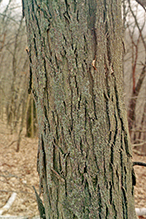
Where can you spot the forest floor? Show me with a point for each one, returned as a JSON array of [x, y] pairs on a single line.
[[18, 174]]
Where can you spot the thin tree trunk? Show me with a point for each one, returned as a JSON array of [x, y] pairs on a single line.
[[84, 155]]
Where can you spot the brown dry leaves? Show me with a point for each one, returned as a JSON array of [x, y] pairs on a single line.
[[18, 174], [140, 188]]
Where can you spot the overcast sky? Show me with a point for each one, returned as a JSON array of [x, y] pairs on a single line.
[[17, 3], [15, 8], [5, 2], [138, 11]]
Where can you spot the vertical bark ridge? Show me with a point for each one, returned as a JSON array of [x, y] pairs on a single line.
[[84, 156]]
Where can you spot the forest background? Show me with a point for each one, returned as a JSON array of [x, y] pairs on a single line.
[[18, 129]]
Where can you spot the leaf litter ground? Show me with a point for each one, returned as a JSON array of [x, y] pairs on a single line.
[[18, 174]]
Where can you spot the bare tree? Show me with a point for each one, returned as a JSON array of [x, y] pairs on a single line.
[[84, 154], [135, 72], [16, 103]]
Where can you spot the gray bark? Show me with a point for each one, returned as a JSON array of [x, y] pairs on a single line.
[[84, 154]]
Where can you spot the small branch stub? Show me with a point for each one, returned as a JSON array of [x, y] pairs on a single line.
[[93, 64]]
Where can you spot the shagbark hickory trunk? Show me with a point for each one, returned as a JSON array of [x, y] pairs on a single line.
[[84, 155]]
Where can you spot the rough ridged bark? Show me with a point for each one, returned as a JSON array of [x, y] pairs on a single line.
[[84, 156]]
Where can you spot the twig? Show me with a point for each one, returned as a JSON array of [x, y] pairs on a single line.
[[138, 145], [17, 192], [9, 203], [140, 211], [136, 163]]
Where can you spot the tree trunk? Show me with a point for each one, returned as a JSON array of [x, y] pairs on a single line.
[[84, 154]]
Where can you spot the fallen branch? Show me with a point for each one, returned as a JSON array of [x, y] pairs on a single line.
[[140, 211], [8, 204]]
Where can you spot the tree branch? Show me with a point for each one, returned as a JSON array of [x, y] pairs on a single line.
[[142, 3]]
